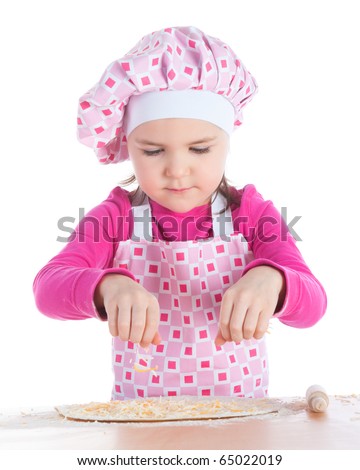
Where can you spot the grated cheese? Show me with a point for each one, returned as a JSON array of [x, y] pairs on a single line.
[[168, 408]]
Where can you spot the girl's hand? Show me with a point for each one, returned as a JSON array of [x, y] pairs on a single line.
[[248, 305], [133, 313]]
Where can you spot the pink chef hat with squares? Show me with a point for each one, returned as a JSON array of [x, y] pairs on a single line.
[[178, 58]]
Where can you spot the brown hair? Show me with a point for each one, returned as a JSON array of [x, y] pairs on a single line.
[[137, 196]]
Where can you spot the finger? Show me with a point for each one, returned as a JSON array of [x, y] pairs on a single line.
[[219, 340], [112, 316], [263, 324], [250, 322], [224, 317], [138, 319], [157, 339], [123, 321], [152, 322], [237, 321]]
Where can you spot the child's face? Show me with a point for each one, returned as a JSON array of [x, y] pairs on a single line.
[[178, 163]]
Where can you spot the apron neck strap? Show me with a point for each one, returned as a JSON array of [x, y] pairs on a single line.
[[221, 218]]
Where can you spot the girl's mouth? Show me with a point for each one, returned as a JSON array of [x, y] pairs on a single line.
[[178, 190]]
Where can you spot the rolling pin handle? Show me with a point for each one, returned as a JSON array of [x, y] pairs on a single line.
[[317, 398]]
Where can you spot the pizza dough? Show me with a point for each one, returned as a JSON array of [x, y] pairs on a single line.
[[169, 409]]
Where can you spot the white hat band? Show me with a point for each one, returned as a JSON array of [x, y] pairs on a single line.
[[190, 104]]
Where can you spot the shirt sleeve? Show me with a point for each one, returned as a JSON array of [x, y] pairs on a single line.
[[272, 244], [64, 288]]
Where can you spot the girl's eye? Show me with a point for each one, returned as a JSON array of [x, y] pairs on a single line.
[[151, 153], [200, 150]]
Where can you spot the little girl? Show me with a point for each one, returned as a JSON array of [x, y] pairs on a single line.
[[187, 270]]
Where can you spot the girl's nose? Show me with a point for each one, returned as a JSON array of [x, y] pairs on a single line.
[[177, 166]]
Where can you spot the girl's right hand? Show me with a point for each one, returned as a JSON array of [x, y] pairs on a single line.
[[133, 313]]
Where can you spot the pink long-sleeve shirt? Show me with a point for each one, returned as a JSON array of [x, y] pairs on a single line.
[[64, 288]]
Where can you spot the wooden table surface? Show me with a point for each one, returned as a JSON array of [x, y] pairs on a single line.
[[293, 427]]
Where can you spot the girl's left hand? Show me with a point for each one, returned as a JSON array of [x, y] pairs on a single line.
[[248, 305]]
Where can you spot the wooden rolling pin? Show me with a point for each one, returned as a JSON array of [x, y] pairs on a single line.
[[317, 398]]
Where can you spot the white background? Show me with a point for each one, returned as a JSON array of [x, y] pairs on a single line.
[[299, 145]]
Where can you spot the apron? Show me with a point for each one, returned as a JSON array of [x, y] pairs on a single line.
[[189, 279]]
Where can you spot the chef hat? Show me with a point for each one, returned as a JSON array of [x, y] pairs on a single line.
[[172, 59]]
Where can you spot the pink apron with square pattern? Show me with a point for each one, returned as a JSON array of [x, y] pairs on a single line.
[[189, 279]]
